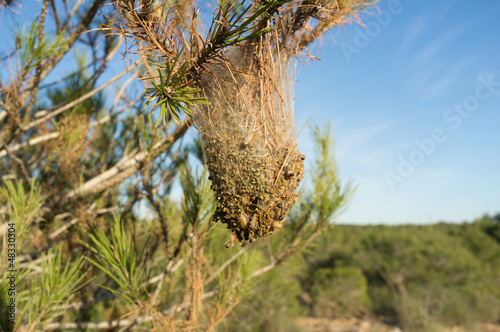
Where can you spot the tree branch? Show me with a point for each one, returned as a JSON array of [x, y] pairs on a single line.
[[125, 167], [38, 73], [78, 100]]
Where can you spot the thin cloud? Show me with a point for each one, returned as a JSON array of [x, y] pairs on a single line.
[[414, 32], [445, 82], [431, 51]]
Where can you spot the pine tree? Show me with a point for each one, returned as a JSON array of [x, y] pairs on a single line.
[[92, 146]]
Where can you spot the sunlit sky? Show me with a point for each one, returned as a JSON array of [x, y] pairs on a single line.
[[414, 74], [414, 101]]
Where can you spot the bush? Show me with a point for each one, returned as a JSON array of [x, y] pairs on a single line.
[[341, 291]]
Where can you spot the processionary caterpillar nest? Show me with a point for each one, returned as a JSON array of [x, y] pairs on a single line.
[[248, 136]]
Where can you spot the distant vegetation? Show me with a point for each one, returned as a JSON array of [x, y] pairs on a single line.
[[413, 276]]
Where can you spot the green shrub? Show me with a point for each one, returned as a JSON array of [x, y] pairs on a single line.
[[338, 292]]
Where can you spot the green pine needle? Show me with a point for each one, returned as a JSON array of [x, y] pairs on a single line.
[[175, 94]]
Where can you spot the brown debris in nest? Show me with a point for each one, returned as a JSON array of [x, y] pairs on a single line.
[[252, 201]]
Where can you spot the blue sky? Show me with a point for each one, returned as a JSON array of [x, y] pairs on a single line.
[[416, 127], [411, 74]]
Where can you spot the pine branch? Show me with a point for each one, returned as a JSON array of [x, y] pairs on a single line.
[[121, 322], [125, 168], [66, 106], [30, 142], [115, 175], [38, 73]]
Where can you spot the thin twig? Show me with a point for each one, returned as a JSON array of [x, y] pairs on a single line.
[[79, 100], [226, 263], [38, 73]]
